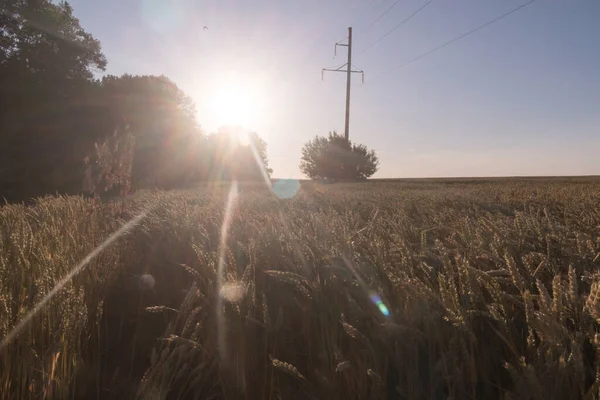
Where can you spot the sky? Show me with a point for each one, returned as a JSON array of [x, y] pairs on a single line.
[[519, 97]]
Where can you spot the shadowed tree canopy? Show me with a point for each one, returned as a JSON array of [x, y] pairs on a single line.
[[163, 120], [47, 63], [43, 38], [133, 131], [336, 158]]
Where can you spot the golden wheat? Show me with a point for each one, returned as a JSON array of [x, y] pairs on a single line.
[[480, 289]]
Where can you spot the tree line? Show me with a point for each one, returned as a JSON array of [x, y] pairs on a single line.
[[63, 130]]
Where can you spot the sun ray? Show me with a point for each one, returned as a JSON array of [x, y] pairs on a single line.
[[67, 278], [227, 216]]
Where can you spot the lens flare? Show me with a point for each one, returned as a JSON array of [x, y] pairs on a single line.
[[233, 292], [376, 299], [146, 282], [373, 296], [286, 188], [161, 15]]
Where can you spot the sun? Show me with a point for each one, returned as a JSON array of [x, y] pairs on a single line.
[[236, 105]]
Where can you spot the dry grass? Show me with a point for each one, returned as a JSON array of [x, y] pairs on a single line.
[[491, 289]]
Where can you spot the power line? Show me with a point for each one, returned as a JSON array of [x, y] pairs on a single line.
[[382, 15], [456, 39], [339, 67], [355, 20], [375, 21], [363, 10], [405, 20]]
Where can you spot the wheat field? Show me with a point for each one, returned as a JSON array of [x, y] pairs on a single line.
[[447, 289]]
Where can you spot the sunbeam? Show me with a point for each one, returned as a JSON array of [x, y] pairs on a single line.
[[78, 268], [231, 198], [260, 164]]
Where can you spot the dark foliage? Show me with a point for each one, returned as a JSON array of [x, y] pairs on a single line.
[[48, 115], [54, 115], [162, 119]]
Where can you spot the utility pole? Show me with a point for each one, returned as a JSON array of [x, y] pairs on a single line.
[[348, 80], [349, 73]]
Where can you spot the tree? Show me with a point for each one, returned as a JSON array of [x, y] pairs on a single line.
[[45, 55], [45, 38], [163, 120], [254, 157], [336, 158], [226, 157], [47, 62], [134, 131]]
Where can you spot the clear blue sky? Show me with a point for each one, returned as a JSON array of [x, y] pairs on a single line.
[[520, 97]]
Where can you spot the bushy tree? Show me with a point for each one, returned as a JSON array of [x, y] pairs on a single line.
[[336, 158]]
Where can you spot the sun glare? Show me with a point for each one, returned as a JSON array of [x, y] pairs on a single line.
[[233, 105], [243, 138]]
